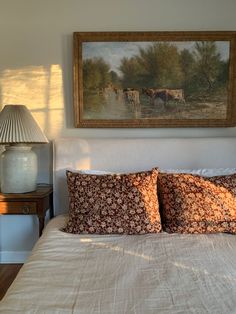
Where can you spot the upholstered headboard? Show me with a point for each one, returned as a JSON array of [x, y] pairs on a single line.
[[121, 155]]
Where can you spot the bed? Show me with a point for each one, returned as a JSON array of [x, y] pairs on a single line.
[[150, 273]]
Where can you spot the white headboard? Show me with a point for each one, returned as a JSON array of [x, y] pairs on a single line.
[[121, 155]]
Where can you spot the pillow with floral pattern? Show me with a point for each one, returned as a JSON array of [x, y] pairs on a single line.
[[113, 203], [195, 204]]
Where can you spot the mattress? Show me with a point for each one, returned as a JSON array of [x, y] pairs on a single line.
[[152, 273]]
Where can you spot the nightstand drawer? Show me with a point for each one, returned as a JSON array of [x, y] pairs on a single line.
[[24, 208]]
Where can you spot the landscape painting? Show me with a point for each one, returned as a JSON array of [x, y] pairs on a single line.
[[157, 80]]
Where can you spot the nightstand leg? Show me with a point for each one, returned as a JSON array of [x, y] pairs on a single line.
[[41, 225], [51, 211]]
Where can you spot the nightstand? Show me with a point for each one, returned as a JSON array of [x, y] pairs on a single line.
[[32, 203]]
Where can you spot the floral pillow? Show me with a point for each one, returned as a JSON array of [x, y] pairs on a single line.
[[194, 204], [106, 204]]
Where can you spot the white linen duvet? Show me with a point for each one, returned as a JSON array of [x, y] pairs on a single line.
[[106, 274]]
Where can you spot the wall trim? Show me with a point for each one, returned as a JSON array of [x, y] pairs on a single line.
[[13, 257]]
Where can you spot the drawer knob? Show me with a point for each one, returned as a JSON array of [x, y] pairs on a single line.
[[26, 209]]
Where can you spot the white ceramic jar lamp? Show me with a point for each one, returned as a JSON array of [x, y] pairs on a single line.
[[19, 131], [19, 169]]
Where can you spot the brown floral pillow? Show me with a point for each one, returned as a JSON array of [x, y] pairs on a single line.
[[105, 204], [194, 204]]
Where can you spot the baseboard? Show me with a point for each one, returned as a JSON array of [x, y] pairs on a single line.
[[13, 257]]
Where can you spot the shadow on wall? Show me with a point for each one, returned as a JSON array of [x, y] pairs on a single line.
[[40, 88]]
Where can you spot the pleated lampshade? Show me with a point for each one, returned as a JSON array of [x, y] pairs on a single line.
[[17, 125], [19, 167]]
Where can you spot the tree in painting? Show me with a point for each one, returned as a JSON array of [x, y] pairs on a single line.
[[158, 65], [95, 74], [208, 62]]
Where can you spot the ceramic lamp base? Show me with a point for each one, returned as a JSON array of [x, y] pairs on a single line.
[[18, 169]]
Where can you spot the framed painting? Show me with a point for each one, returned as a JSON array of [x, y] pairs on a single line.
[[154, 79]]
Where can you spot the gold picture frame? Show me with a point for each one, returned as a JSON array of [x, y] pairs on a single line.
[[154, 79]]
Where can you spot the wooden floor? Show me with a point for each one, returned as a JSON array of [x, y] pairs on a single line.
[[8, 273]]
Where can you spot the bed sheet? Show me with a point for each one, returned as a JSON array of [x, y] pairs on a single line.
[[106, 274]]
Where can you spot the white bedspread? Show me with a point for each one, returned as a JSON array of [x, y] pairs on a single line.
[[154, 273]]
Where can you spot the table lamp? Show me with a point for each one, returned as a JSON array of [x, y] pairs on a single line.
[[18, 132]]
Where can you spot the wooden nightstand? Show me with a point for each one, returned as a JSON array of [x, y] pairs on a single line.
[[32, 203]]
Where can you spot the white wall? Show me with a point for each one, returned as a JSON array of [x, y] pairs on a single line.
[[36, 70]]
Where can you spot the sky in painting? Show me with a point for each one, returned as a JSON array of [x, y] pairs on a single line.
[[113, 52]]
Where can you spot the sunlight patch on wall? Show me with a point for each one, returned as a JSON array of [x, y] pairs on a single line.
[[40, 88]]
